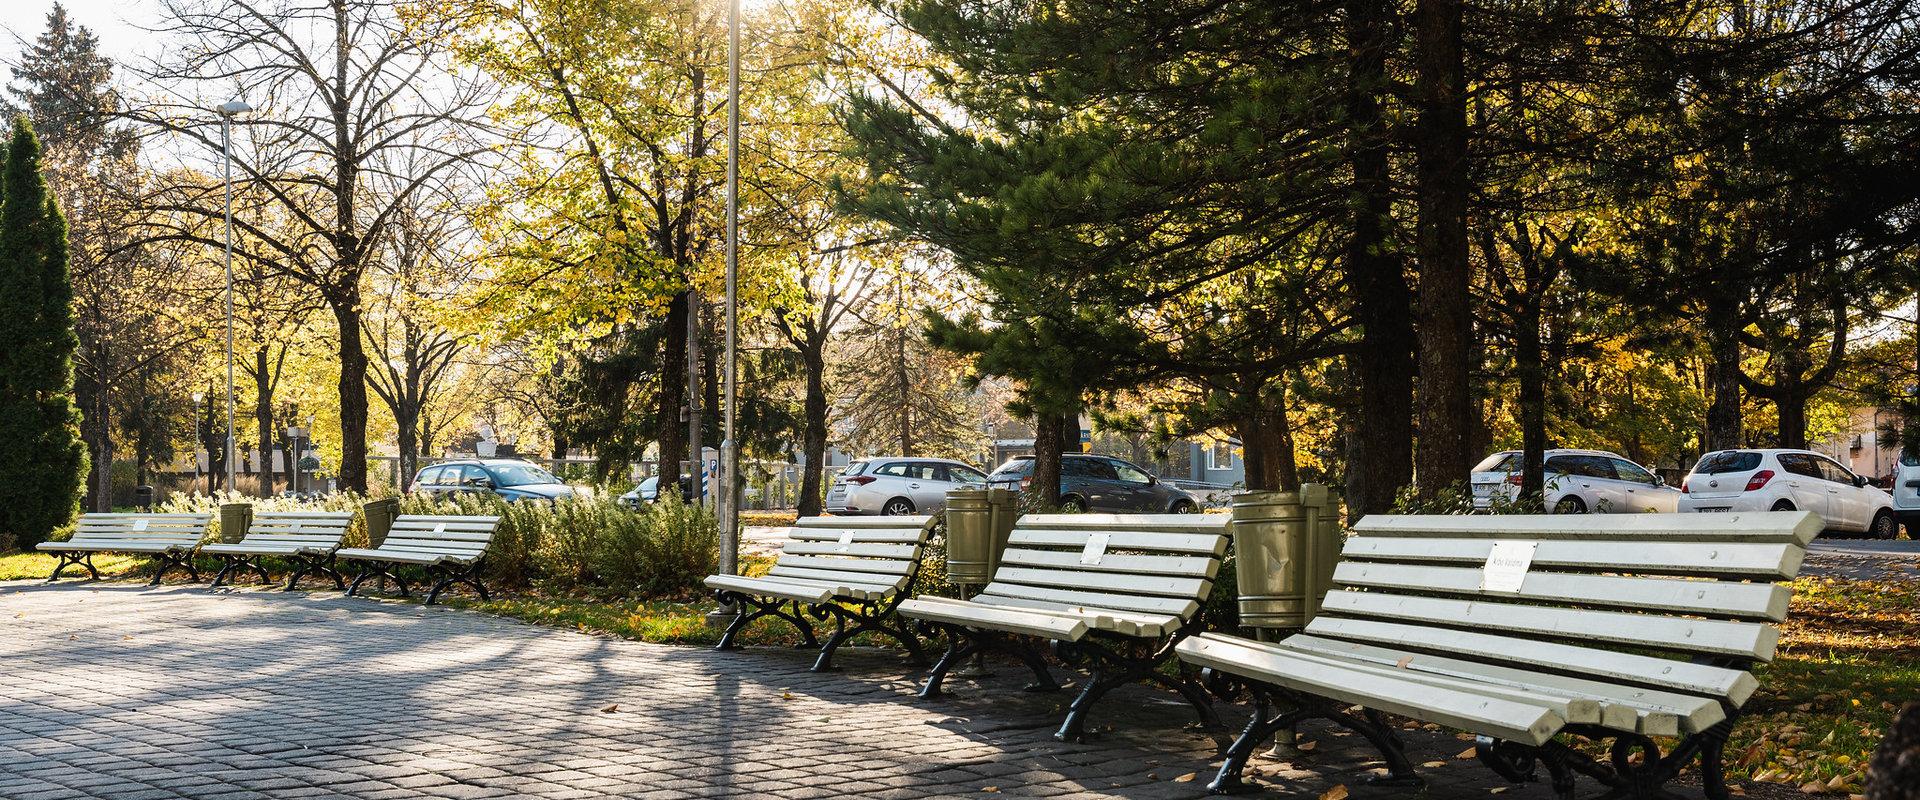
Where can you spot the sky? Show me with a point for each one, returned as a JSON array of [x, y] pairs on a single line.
[[116, 22]]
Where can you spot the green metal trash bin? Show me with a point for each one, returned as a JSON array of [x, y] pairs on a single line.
[[379, 516], [235, 520], [1006, 512], [969, 537], [1285, 545]]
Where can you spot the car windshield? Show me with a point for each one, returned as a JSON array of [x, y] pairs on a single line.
[[520, 475], [1014, 466], [1500, 462], [1727, 461]]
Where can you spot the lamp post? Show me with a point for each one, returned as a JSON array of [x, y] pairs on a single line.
[[227, 112], [200, 441], [728, 505]]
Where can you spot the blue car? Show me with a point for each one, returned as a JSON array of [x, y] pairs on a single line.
[[510, 478]]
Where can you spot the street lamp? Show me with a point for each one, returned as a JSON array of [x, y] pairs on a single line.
[[227, 112], [729, 448]]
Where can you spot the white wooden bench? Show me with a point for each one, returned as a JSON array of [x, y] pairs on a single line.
[[169, 538], [1113, 591], [307, 538], [855, 570], [1618, 627], [448, 548]]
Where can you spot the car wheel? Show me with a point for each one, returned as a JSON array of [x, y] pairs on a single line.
[[1571, 504], [1884, 526], [1782, 505], [1184, 507], [1073, 505], [897, 507]]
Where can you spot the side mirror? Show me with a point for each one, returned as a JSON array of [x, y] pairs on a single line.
[[1859, 480], [1659, 480]]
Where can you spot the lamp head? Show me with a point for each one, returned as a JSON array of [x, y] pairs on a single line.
[[232, 107]]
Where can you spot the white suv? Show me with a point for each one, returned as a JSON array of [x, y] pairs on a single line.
[[1789, 480], [1577, 481], [1906, 494], [900, 486]]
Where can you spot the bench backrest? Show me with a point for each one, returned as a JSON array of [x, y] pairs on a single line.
[[177, 530], [460, 537], [1161, 564], [1676, 601], [320, 530], [880, 550]]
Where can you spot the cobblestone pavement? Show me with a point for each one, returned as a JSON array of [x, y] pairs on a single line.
[[110, 690], [1864, 559]]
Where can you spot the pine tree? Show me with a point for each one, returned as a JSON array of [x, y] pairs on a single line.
[[41, 460]]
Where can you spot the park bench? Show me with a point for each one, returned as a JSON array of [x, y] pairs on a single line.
[[307, 538], [1616, 627], [855, 570], [447, 548], [1114, 592], [169, 538]]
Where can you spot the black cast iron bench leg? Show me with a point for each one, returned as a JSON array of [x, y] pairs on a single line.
[[74, 559]]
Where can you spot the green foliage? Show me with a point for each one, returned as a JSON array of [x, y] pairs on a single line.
[[664, 550], [42, 464]]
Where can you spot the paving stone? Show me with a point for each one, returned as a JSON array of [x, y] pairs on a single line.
[[248, 695]]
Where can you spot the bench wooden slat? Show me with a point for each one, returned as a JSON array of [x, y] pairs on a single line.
[[1117, 582], [1648, 705], [1183, 608], [1706, 598], [1757, 560], [1715, 637], [894, 551], [863, 580], [877, 566], [1682, 676], [1173, 523], [1786, 527], [1128, 623], [864, 535], [1178, 566], [1527, 723], [1214, 544], [1025, 622], [914, 522]]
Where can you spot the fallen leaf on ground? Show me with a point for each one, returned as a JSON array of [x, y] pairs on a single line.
[[610, 709], [1432, 764], [990, 789], [1338, 792], [1187, 778], [1306, 747], [1469, 753]]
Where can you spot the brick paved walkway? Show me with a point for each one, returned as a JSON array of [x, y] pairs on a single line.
[[116, 691]]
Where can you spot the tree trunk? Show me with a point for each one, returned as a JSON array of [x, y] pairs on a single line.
[[904, 390], [1276, 433], [103, 450], [813, 437], [263, 414], [1047, 447], [671, 430], [1381, 459], [1253, 449], [1445, 313], [406, 423], [353, 392], [1793, 419], [1529, 360], [1723, 373]]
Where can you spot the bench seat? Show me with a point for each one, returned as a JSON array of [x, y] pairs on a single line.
[[308, 538], [855, 570], [1518, 629], [170, 538], [450, 548], [1112, 590]]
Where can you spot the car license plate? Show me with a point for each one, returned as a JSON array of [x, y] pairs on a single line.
[[1713, 509], [1482, 489]]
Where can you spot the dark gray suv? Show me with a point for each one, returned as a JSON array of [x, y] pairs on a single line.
[[1100, 483], [509, 478]]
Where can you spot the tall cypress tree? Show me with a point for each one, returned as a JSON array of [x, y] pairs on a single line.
[[41, 459]]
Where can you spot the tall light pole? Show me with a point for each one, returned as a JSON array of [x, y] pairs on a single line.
[[227, 111], [729, 449]]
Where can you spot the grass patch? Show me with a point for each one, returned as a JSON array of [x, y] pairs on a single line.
[[1849, 656], [37, 566], [771, 519]]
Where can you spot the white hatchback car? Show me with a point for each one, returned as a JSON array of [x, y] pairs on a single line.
[[900, 486], [1577, 482], [1789, 480]]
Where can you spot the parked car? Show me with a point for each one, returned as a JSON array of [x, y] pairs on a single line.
[[649, 490], [510, 478], [1906, 494], [898, 486], [1576, 482], [1789, 480], [1100, 483]]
